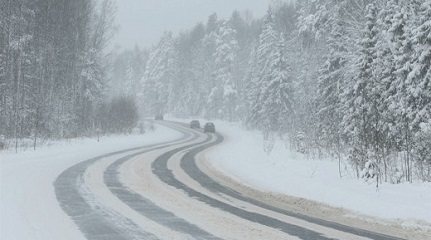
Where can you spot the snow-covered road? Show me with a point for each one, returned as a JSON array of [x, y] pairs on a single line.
[[29, 207], [165, 189]]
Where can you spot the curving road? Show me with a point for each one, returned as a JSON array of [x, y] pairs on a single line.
[[166, 191]]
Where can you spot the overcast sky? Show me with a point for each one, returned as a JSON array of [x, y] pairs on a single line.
[[142, 22]]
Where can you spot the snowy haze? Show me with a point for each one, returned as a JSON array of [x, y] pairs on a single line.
[[322, 113], [142, 22]]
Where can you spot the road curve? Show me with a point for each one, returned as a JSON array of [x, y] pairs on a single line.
[[160, 192], [95, 221]]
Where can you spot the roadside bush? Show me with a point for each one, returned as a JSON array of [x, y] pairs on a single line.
[[120, 115]]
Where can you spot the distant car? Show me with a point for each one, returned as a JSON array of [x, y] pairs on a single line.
[[195, 124], [158, 117], [209, 127]]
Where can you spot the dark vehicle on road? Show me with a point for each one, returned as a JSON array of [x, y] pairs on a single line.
[[158, 117], [209, 127], [195, 124]]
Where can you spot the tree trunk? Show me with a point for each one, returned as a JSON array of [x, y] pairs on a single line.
[[17, 86]]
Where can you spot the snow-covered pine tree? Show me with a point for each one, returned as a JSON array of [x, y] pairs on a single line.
[[277, 92], [331, 82], [357, 121], [419, 92], [134, 72], [202, 67], [129, 79], [306, 21], [92, 88], [268, 41], [245, 36], [419, 78], [252, 90], [401, 40], [225, 55], [188, 92], [381, 93], [401, 49], [158, 79], [206, 67]]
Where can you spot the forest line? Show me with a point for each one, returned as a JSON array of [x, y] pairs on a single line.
[[350, 79]]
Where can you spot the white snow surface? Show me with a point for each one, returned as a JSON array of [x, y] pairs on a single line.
[[29, 208], [285, 171]]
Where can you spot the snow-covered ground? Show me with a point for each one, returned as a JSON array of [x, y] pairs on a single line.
[[284, 171], [29, 208]]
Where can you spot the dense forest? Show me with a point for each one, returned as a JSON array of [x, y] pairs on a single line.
[[53, 67], [348, 79]]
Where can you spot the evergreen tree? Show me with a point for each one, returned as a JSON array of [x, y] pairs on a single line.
[[345, 78], [268, 40], [277, 92], [419, 78], [202, 68], [252, 90], [330, 87], [419, 92], [361, 106], [158, 79], [130, 71], [225, 56], [129, 80]]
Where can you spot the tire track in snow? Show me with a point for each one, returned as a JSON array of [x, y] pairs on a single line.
[[93, 220], [160, 168], [99, 223], [144, 206], [188, 164]]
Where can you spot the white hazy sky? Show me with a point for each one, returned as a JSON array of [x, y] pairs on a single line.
[[142, 22]]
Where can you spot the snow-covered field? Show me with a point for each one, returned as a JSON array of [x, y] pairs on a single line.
[[284, 171], [29, 208]]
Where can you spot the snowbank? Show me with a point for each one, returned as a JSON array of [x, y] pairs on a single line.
[[284, 171]]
